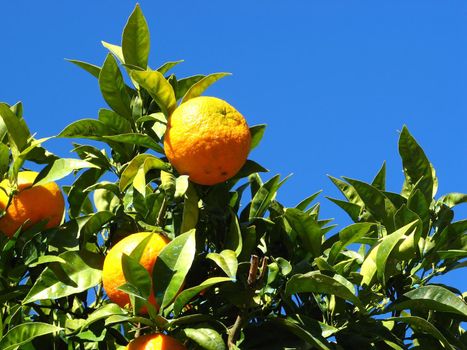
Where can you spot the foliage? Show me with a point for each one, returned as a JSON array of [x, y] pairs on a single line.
[[254, 273]]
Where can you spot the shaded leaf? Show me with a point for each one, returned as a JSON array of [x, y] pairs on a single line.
[[257, 133], [186, 295], [26, 332]]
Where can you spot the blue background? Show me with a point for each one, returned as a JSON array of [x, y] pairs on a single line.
[[334, 80]]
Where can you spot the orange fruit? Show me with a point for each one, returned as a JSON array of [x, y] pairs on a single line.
[[112, 272], [30, 205], [207, 139], [155, 342]]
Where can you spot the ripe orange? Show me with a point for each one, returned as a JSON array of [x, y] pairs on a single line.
[[30, 205], [207, 139], [155, 342], [112, 273]]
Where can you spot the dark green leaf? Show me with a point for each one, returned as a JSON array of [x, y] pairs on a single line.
[[307, 229], [186, 295], [316, 341], [26, 332], [380, 179], [433, 297], [376, 203], [353, 210], [113, 88], [421, 325], [190, 209]]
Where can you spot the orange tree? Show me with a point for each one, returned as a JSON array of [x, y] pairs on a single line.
[[224, 265]]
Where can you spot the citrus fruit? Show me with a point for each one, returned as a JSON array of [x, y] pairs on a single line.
[[30, 204], [112, 272], [155, 342], [207, 139]]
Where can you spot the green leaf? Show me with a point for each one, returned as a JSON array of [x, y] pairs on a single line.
[[227, 261], [150, 163], [233, 239], [417, 167], [158, 87], [186, 295], [4, 159], [136, 139], [83, 270], [250, 167], [307, 201], [26, 332], [168, 66], [307, 229], [137, 276], [18, 132], [206, 338], [114, 121], [263, 197], [131, 170], [190, 209], [315, 282], [88, 67], [433, 297], [352, 209], [86, 128], [199, 87], [172, 266], [316, 342], [183, 85], [386, 247], [453, 199], [376, 203], [61, 168], [115, 50], [380, 179], [45, 259], [95, 223], [257, 133], [349, 235], [113, 88], [421, 325], [348, 191], [103, 313], [135, 39]]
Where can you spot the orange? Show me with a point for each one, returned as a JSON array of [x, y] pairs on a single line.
[[207, 139], [112, 273], [155, 342], [30, 205]]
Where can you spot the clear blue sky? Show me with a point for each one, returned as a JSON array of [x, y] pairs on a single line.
[[334, 80]]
